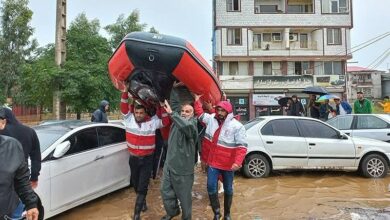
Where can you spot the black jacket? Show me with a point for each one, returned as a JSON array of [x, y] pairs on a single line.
[[296, 108], [100, 114], [28, 138], [14, 177]]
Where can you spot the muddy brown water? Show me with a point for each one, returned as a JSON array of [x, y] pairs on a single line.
[[283, 195]]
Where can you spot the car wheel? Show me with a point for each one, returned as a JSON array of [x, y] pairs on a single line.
[[374, 166], [256, 166]]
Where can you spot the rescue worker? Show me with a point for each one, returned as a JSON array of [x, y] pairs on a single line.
[[178, 173], [140, 137], [223, 150]]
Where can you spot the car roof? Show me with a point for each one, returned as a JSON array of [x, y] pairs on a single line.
[[63, 125]]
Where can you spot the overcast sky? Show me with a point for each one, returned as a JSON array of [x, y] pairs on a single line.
[[191, 20]]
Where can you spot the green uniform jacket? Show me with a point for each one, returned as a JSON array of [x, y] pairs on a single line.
[[181, 145], [362, 109]]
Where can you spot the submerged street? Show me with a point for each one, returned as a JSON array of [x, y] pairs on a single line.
[[283, 195]]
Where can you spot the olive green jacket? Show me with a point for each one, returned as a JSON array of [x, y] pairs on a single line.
[[182, 145]]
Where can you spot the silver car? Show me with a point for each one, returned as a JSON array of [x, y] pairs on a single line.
[[284, 142], [375, 126]]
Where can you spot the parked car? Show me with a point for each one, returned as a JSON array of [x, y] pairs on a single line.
[[81, 161], [284, 142], [375, 126]]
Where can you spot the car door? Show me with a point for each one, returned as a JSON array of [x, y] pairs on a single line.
[[282, 140], [343, 123], [325, 147], [115, 162], [371, 126], [78, 174]]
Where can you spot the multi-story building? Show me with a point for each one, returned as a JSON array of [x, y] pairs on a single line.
[[364, 80], [266, 49]]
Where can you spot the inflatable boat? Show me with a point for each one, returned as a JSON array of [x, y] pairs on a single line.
[[149, 64]]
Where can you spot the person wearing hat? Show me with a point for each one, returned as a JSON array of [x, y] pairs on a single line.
[[362, 105], [342, 107], [15, 177], [224, 148], [100, 115]]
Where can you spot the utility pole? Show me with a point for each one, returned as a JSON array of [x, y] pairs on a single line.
[[59, 107]]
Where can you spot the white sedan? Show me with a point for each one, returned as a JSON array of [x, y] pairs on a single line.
[[375, 126], [283, 142], [81, 161]]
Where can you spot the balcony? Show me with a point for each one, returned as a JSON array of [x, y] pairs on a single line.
[[279, 6]]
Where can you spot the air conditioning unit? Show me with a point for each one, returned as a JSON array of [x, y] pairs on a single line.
[[293, 37]]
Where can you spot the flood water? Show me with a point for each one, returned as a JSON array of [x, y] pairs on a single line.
[[283, 195]]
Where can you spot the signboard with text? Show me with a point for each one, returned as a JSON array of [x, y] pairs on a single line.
[[266, 99], [282, 82]]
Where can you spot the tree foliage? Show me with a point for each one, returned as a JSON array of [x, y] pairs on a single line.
[[16, 44]]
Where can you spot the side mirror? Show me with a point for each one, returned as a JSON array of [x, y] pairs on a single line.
[[61, 149], [343, 136]]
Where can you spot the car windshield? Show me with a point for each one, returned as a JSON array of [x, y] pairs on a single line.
[[48, 137], [252, 123]]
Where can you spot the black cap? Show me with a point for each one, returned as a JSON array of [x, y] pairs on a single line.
[[2, 113], [359, 92]]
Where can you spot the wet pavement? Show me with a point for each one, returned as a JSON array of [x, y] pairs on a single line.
[[283, 195]]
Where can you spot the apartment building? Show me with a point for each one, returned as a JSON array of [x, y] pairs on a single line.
[[364, 80], [267, 49]]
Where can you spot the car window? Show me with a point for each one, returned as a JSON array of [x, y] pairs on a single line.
[[82, 141], [111, 135], [342, 123], [252, 123], [48, 137], [281, 127], [316, 129], [370, 122]]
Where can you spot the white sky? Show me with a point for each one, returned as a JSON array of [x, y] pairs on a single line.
[[192, 20]]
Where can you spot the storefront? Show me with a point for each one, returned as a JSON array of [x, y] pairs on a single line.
[[240, 106]]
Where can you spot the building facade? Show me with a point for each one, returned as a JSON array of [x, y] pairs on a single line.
[[267, 49], [364, 80]]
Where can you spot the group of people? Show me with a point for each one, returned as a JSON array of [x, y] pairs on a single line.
[[222, 149], [325, 111], [18, 143]]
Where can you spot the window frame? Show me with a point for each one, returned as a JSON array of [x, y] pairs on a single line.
[[232, 3], [101, 128], [77, 133], [333, 38], [233, 31], [357, 123], [302, 129], [270, 123]]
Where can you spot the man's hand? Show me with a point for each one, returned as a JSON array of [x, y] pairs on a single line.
[[235, 167], [196, 97], [167, 107], [177, 84], [32, 214], [208, 105], [34, 184]]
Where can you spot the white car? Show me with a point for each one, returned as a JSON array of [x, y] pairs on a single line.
[[375, 126], [284, 142], [81, 161]]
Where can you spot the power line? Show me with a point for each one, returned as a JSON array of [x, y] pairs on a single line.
[[379, 57]]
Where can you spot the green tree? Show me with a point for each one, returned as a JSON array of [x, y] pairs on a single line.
[[85, 81], [123, 26], [16, 44]]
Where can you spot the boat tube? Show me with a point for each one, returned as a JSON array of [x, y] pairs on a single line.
[[148, 64]]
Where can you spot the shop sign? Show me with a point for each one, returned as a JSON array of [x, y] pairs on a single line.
[[266, 99]]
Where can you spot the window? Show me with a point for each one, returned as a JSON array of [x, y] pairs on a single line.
[[267, 68], [82, 141], [233, 5], [285, 127], [256, 41], [371, 122], [252, 123], [267, 37], [111, 135], [335, 6], [315, 129], [268, 8], [233, 68], [334, 36], [303, 41], [300, 9], [301, 68], [342, 123], [234, 36], [333, 68], [276, 36]]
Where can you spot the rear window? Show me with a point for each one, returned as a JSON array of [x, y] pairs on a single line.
[[48, 137], [252, 123]]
